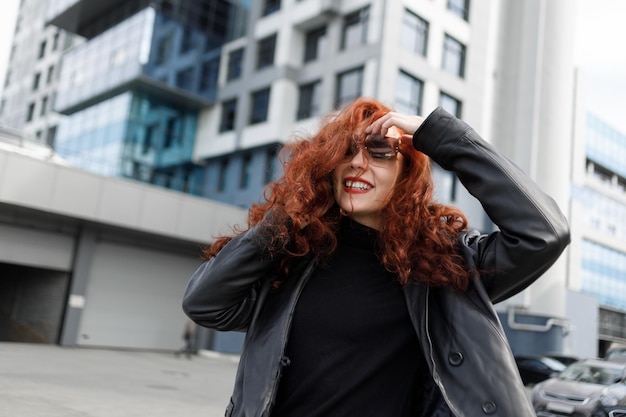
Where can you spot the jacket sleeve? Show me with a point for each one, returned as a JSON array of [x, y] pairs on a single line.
[[222, 293], [532, 230]]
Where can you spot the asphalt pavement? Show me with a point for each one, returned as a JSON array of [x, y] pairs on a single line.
[[38, 380]]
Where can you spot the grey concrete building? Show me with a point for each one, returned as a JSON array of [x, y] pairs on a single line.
[[32, 75]]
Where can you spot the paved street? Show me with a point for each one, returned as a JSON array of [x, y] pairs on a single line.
[[51, 381]]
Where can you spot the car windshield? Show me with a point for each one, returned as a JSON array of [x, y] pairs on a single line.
[[595, 374]]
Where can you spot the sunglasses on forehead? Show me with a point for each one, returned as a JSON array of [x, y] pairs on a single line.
[[379, 147]]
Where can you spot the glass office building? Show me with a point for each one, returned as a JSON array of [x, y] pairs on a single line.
[[131, 93], [603, 260]]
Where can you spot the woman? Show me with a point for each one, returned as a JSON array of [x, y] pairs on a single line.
[[360, 295]]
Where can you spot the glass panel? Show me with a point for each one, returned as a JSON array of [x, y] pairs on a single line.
[[229, 110], [309, 100], [355, 29], [265, 52], [271, 6], [414, 33], [260, 106], [349, 86], [235, 60], [450, 104], [453, 56], [315, 44], [408, 94], [459, 8]]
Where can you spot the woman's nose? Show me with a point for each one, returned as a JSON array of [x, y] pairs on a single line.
[[359, 160]]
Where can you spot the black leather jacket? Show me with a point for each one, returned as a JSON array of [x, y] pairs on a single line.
[[473, 371]]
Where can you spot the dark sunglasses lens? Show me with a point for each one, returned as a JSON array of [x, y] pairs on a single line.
[[353, 149], [380, 147]]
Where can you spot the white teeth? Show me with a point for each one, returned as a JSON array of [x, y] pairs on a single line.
[[357, 185]]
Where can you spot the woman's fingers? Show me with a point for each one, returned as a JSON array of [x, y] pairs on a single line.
[[408, 124]]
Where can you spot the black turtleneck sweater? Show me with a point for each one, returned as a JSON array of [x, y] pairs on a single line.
[[352, 348]]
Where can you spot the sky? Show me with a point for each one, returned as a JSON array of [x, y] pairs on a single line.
[[600, 52]]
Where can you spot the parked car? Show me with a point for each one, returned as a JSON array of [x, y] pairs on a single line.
[[587, 388], [563, 358], [616, 354], [536, 368]]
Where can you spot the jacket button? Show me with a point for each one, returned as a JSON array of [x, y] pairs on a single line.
[[455, 358], [285, 361], [489, 407]]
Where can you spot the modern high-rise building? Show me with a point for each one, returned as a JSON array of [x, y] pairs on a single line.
[[598, 216], [32, 76], [132, 92], [199, 95]]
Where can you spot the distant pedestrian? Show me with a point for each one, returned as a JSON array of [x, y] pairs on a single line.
[[189, 336]]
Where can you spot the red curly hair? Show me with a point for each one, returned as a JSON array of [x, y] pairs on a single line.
[[418, 235]]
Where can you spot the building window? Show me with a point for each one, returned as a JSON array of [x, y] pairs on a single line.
[[235, 60], [408, 94], [246, 168], [55, 40], [265, 52], [222, 175], [355, 29], [315, 44], [459, 8], [209, 72], [229, 110], [172, 132], [148, 138], [30, 112], [414, 33], [42, 49], [7, 79], [450, 104], [309, 100], [270, 164], [51, 135], [271, 6], [44, 106], [36, 81], [453, 56], [349, 85], [186, 42], [50, 74], [184, 79], [163, 49], [259, 106]]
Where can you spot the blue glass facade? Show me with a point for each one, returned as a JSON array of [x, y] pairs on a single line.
[[133, 90], [93, 139], [603, 266], [605, 145], [604, 274]]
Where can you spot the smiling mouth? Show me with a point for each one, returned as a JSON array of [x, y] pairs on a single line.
[[357, 185]]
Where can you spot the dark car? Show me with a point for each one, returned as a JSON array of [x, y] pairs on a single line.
[[587, 388], [537, 368]]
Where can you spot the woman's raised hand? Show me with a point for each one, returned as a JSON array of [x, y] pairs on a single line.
[[406, 123]]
